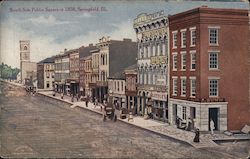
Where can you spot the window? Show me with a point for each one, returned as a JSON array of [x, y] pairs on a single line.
[[184, 113], [164, 48], [192, 36], [122, 85], [146, 51], [183, 38], [175, 39], [47, 74], [175, 62], [175, 87], [192, 87], [53, 75], [183, 86], [193, 60], [153, 50], [183, 61], [213, 60], [47, 85], [213, 87], [213, 36]]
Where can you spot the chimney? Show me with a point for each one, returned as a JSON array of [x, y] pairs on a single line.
[[90, 45], [65, 50]]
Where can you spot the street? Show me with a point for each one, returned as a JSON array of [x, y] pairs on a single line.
[[37, 126]]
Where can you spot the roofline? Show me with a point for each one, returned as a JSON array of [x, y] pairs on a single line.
[[204, 9]]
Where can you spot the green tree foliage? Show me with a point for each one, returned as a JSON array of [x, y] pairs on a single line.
[[7, 72]]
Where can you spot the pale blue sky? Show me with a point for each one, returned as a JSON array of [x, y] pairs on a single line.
[[51, 32]]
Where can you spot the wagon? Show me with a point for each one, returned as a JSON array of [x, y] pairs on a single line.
[[109, 112]]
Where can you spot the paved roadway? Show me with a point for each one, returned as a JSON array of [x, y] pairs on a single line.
[[36, 126]]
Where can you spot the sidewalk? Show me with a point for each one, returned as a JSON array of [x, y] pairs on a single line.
[[151, 125], [206, 140]]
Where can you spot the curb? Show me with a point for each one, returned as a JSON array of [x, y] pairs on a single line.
[[120, 120]]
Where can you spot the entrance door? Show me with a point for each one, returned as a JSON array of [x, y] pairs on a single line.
[[174, 113], [214, 114]]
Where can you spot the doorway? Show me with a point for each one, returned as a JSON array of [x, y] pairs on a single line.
[[174, 113], [213, 114]]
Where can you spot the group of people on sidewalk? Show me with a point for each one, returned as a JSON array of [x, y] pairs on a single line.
[[190, 126]]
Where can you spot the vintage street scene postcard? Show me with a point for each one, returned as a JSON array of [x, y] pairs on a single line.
[[125, 79]]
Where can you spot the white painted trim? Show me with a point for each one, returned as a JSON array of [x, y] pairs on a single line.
[[213, 77], [182, 30], [213, 27], [192, 77], [174, 77], [176, 31], [198, 103], [192, 28]]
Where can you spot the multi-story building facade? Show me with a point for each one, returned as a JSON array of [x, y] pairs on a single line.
[[83, 53], [116, 85], [111, 61], [46, 74], [87, 74], [95, 73], [74, 72], [62, 73], [131, 88], [152, 37], [209, 68]]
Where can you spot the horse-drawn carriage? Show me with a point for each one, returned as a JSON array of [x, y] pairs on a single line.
[[109, 112]]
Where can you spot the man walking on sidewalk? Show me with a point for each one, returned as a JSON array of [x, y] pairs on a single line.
[[87, 101]]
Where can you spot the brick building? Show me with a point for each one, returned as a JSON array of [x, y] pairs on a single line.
[[114, 56], [209, 69], [131, 88], [45, 74], [62, 72], [73, 79], [83, 53]]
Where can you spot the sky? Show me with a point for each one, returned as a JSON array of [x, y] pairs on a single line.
[[52, 26]]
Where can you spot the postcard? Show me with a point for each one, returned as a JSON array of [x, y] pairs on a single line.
[[125, 79]]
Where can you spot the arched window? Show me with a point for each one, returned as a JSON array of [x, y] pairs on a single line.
[[25, 48]]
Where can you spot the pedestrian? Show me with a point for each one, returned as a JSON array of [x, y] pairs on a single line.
[[95, 102], [61, 95], [189, 122], [87, 101], [212, 126], [197, 136]]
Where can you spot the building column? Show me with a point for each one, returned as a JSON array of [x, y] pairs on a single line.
[[164, 111], [138, 105]]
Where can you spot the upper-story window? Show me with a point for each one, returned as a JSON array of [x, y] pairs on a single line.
[[174, 39], [192, 60], [192, 36], [213, 87], [174, 61], [175, 87], [192, 86], [183, 60], [183, 38], [213, 61], [183, 86], [213, 35], [164, 48]]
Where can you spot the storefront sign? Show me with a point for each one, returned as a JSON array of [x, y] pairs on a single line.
[[162, 96], [158, 60]]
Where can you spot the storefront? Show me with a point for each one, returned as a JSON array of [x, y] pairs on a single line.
[[200, 113], [160, 105]]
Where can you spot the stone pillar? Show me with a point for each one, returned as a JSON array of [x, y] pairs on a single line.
[[164, 111], [138, 105]]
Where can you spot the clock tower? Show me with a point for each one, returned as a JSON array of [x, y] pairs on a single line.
[[24, 50]]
